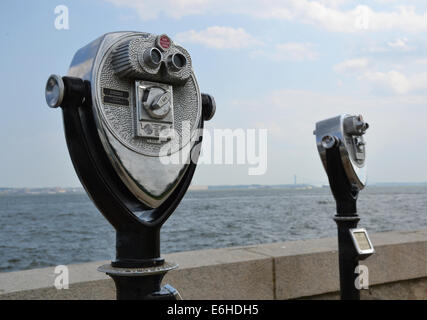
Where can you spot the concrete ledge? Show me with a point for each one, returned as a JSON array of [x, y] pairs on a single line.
[[289, 270]]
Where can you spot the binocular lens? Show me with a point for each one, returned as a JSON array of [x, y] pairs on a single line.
[[177, 61], [152, 57], [156, 56]]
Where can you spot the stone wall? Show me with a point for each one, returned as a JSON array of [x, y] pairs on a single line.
[[305, 269]]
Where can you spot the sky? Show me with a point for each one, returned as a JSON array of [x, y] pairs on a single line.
[[275, 65]]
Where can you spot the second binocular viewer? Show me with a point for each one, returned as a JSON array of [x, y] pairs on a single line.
[[342, 150]]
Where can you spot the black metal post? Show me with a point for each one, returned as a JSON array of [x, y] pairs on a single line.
[[138, 288], [141, 288], [348, 257], [141, 283], [138, 269], [345, 195]]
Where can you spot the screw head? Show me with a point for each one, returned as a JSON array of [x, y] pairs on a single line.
[[329, 141]]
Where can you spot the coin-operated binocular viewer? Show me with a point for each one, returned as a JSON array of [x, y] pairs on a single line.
[[131, 104], [342, 150]]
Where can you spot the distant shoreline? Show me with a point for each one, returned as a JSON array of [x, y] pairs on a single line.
[[79, 190]]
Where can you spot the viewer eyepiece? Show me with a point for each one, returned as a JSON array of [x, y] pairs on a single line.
[[152, 57], [54, 91], [177, 61]]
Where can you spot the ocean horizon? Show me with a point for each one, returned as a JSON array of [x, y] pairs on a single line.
[[51, 229]]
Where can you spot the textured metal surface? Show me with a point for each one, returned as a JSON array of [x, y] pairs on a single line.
[[147, 112], [128, 60], [138, 272], [137, 160], [119, 119]]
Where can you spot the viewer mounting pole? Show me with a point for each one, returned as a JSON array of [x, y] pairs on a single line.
[[342, 150]]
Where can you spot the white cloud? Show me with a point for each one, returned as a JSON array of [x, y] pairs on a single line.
[[394, 81], [397, 81], [219, 38], [334, 3], [361, 18], [396, 46], [290, 51], [352, 65], [400, 44], [326, 14]]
